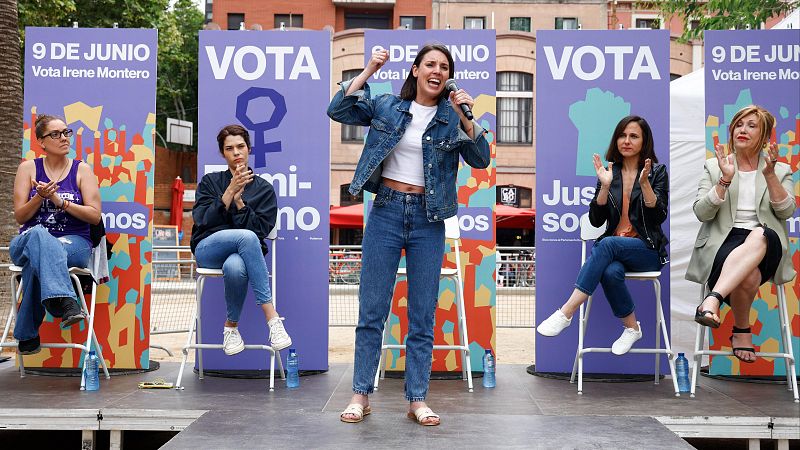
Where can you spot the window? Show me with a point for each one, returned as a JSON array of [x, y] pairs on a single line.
[[474, 23], [520, 24], [351, 133], [289, 20], [651, 23], [377, 20], [694, 24], [566, 23], [412, 22], [209, 16], [346, 198], [235, 20], [514, 108]]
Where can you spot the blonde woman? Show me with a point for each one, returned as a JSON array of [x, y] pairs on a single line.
[[743, 200]]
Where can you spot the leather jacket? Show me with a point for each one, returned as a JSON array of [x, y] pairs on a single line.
[[646, 221]]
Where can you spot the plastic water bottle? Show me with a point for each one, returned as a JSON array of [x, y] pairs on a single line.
[[682, 367], [90, 373], [488, 370], [292, 366]]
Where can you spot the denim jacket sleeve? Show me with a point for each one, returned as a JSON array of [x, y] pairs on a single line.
[[356, 108], [475, 151]]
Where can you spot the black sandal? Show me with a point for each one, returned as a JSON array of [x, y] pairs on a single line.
[[743, 349], [702, 317]]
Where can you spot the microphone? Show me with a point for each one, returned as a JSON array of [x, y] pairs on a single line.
[[451, 86]]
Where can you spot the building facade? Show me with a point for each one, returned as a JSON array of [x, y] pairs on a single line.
[[516, 23]]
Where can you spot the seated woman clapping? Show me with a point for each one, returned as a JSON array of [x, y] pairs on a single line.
[[743, 201], [631, 198], [234, 211], [55, 200]]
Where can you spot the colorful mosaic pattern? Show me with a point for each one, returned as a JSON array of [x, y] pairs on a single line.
[[478, 272], [123, 163], [764, 317]]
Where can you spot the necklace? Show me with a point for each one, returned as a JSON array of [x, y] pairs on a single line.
[[51, 171]]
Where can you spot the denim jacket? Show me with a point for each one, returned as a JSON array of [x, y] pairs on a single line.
[[442, 142]]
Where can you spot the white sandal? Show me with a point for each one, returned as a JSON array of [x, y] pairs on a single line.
[[357, 410], [421, 414]]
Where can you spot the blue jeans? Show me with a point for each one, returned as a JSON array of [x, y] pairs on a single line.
[[45, 261], [607, 264], [238, 253], [398, 221]]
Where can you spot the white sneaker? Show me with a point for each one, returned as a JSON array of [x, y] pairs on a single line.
[[554, 324], [232, 342], [626, 341], [278, 337]]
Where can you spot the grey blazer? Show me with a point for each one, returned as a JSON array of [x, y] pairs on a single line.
[[718, 220]]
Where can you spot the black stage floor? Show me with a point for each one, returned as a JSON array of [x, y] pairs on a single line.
[[523, 411]]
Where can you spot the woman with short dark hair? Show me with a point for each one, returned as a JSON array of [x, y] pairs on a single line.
[[234, 211]]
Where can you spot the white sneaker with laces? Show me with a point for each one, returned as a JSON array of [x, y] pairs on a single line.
[[278, 337], [554, 324], [626, 341], [232, 342]]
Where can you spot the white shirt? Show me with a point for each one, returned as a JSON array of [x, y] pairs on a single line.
[[746, 216], [404, 163]]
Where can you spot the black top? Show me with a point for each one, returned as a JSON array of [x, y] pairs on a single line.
[[646, 221], [258, 215]]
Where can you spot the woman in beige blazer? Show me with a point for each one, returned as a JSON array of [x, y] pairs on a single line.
[[743, 200]]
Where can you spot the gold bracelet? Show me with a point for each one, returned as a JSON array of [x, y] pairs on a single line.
[[65, 205]]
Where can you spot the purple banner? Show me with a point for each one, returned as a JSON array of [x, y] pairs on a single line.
[[586, 82], [102, 82], [759, 67], [474, 58], [277, 85]]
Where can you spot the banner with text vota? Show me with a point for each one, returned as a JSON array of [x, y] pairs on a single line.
[[586, 81], [474, 57], [760, 67], [102, 82], [277, 85]]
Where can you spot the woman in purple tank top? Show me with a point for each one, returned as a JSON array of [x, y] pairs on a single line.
[[55, 200]]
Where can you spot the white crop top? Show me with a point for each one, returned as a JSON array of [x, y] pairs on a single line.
[[404, 162]]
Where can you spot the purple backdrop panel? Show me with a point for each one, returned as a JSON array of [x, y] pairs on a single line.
[[759, 67], [586, 82], [102, 82], [277, 85]]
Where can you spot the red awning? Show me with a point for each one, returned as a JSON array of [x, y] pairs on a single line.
[[507, 217], [347, 216], [511, 217]]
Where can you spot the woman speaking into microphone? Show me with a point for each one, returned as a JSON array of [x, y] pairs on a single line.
[[410, 161]]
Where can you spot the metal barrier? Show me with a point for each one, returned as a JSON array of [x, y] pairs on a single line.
[[173, 287]]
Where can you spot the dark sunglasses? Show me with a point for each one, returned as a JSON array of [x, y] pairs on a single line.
[[54, 135]]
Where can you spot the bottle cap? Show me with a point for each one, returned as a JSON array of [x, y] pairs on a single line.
[[92, 353], [291, 350], [488, 351], [680, 354]]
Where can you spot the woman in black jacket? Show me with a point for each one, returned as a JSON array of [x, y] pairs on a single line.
[[234, 212], [631, 197]]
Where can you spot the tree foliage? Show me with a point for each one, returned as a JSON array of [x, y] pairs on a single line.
[[723, 14], [176, 91]]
